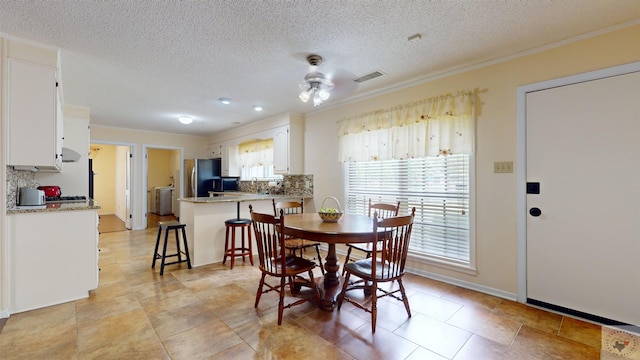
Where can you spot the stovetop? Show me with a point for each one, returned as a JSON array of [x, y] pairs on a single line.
[[64, 199]]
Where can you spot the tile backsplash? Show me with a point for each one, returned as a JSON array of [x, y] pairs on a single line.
[[290, 185], [298, 185], [17, 179]]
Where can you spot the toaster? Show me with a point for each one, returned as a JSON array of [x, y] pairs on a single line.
[[29, 197]]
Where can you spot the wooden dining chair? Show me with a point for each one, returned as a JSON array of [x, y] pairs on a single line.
[[295, 245], [384, 211], [276, 262], [386, 264]]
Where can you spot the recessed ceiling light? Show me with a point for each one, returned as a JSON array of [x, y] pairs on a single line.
[[257, 107], [225, 101], [185, 120]]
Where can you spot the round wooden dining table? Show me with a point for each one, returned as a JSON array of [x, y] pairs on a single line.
[[349, 229]]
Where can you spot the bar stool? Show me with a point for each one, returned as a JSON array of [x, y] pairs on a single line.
[[230, 249], [167, 226]]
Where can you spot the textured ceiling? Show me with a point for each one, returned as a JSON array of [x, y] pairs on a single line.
[[141, 64]]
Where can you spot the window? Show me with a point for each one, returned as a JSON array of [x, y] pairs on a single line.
[[258, 172], [256, 159], [420, 154], [438, 187]]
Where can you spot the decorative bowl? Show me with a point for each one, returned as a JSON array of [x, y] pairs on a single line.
[[330, 217], [330, 214]]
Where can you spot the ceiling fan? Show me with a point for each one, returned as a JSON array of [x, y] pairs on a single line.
[[316, 85]]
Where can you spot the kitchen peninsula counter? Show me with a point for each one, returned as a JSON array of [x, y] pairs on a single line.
[[205, 217], [235, 197], [54, 207]]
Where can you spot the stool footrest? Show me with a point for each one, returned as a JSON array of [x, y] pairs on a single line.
[[158, 256], [245, 248], [175, 262]]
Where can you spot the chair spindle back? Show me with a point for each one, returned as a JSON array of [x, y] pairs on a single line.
[[384, 210], [394, 234], [269, 236], [289, 207]]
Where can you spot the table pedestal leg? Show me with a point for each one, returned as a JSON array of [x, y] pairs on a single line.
[[331, 284]]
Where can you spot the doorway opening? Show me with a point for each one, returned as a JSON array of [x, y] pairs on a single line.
[[162, 180], [110, 185]]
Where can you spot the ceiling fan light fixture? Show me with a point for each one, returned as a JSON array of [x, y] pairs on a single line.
[[317, 100], [315, 84], [305, 95], [324, 95]]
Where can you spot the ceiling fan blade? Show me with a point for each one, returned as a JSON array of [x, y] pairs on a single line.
[[344, 84]]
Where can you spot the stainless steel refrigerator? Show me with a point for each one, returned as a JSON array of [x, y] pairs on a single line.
[[200, 175]]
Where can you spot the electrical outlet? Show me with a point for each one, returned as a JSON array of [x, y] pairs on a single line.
[[501, 167]]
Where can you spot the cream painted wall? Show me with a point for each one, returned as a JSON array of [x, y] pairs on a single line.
[[160, 161], [192, 147], [495, 141], [120, 178], [109, 162], [176, 175]]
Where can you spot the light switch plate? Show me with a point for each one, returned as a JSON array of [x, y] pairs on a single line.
[[501, 167]]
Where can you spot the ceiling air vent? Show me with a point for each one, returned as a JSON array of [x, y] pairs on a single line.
[[369, 76]]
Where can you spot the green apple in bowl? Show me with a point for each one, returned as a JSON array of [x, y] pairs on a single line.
[[330, 214]]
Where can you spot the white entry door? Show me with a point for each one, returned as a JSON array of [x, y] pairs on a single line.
[[583, 227]]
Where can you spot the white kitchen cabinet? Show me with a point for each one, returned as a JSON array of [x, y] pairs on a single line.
[[228, 156], [288, 148], [215, 151], [281, 151], [35, 129], [53, 257], [230, 162]]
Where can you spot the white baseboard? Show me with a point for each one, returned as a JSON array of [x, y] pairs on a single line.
[[449, 280], [465, 284]]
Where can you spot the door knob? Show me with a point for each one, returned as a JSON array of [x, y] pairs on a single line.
[[535, 212]]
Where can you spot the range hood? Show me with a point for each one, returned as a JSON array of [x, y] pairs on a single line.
[[69, 155]]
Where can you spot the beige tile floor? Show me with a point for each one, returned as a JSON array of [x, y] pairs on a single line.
[[207, 313]]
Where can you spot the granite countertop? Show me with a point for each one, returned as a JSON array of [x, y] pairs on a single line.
[[85, 205], [236, 197]]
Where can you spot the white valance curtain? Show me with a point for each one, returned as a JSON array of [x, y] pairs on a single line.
[[256, 153], [435, 126]]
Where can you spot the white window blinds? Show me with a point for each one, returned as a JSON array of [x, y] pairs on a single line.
[[438, 187]]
